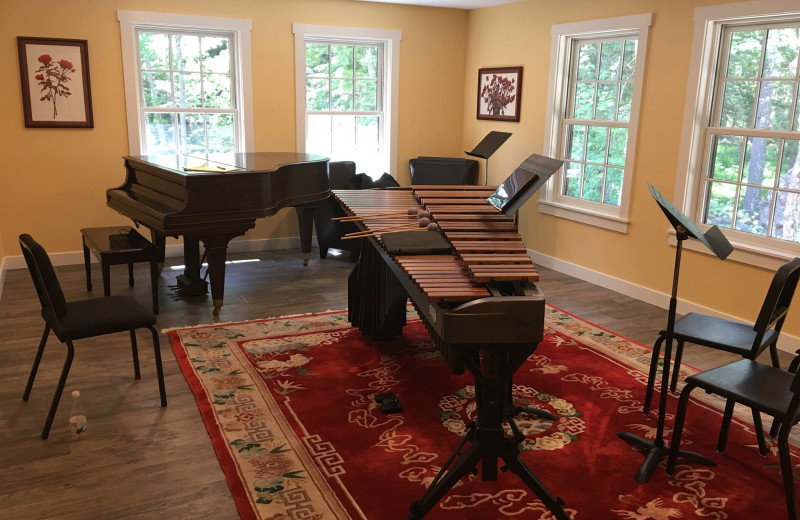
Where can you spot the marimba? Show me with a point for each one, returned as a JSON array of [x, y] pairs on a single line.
[[479, 304]]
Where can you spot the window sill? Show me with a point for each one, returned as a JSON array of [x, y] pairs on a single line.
[[585, 216], [743, 252]]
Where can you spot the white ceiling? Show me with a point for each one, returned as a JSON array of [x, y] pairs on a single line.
[[457, 4]]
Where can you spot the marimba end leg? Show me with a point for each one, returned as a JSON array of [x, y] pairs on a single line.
[[510, 454]]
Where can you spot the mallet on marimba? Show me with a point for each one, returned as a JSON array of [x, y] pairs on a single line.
[[412, 212], [423, 224]]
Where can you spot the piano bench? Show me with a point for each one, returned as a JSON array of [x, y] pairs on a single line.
[[119, 245]]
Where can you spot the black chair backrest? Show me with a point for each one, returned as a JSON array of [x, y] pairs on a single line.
[[339, 172], [779, 298], [54, 305], [443, 170]]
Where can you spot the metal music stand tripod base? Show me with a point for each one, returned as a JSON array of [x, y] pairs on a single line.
[[487, 438]]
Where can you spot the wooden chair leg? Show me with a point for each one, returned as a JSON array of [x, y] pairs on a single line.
[[59, 390], [36, 361], [759, 428], [651, 378], [159, 370], [130, 274], [726, 426], [787, 473], [676, 370], [773, 353], [677, 429], [87, 263], [135, 352], [106, 278], [776, 425]]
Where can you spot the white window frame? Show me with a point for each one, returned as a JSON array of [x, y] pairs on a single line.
[[130, 21], [391, 79], [564, 36], [710, 23]]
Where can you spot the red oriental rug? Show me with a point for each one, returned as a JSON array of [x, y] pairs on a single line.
[[288, 403]]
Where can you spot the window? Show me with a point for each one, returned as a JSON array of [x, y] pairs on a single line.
[[347, 95], [740, 162], [187, 83], [595, 84]]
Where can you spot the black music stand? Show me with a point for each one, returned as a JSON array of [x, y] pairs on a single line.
[[523, 182], [487, 147], [720, 246]]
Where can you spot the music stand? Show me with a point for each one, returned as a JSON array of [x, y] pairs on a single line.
[[720, 246], [487, 147], [523, 182]]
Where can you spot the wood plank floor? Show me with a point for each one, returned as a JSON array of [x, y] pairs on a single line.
[[144, 461]]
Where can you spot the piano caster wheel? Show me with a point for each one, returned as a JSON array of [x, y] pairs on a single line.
[[305, 260], [217, 307]]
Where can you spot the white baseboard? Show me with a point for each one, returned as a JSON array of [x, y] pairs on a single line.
[[786, 343], [172, 251], [3, 268]]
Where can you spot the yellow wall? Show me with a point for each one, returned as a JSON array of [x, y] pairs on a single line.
[[54, 181], [519, 34]]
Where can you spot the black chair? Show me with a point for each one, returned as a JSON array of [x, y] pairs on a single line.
[[70, 321], [764, 389], [342, 176], [442, 170], [746, 340], [330, 232]]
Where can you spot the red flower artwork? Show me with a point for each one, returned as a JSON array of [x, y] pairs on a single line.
[[53, 79], [498, 93]]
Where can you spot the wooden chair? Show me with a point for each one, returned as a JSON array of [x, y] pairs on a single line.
[[75, 320], [746, 340], [764, 389], [119, 245]]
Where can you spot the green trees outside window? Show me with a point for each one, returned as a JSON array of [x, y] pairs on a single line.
[[187, 92], [753, 179], [344, 108], [596, 125]]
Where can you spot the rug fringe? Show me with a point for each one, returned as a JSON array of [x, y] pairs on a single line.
[[222, 323]]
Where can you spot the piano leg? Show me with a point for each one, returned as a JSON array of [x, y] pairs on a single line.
[[190, 283], [216, 250], [305, 219]]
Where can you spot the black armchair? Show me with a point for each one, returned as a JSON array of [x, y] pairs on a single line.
[[442, 170], [329, 232], [75, 320], [342, 176]]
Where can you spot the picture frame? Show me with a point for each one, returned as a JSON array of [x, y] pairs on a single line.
[[54, 73], [499, 93]]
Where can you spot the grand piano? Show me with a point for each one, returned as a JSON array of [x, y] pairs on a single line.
[[216, 198]]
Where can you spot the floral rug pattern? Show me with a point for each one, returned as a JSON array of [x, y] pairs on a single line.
[[266, 389]]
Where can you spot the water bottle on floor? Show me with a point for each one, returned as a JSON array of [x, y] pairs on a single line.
[[77, 418]]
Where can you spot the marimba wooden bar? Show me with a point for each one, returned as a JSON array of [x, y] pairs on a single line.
[[486, 244]]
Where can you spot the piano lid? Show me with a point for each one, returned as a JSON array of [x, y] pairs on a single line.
[[226, 163]]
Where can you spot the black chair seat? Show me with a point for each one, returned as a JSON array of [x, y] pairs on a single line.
[[759, 386], [98, 316], [721, 334]]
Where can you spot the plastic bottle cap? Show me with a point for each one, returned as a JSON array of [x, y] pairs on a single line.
[[76, 393]]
